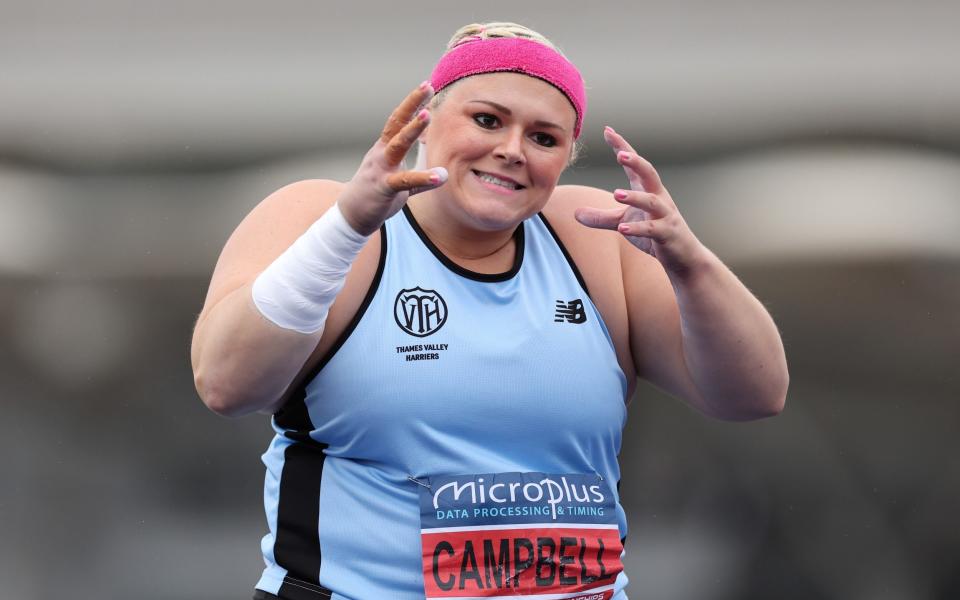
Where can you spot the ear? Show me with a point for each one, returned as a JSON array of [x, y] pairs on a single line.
[[422, 138], [420, 152]]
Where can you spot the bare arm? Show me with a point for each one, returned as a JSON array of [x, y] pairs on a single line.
[[241, 361], [705, 338], [695, 329]]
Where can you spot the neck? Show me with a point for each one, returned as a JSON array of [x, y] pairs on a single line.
[[477, 249]]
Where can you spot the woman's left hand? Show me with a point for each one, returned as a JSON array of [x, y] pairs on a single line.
[[648, 219]]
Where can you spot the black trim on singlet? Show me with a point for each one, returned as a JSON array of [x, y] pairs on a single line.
[[293, 414], [293, 589], [566, 254], [623, 540], [518, 239], [297, 546]]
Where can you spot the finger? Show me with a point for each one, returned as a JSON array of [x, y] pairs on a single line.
[[639, 171], [650, 203], [408, 180], [441, 178], [400, 144], [616, 141], [619, 144], [656, 230], [649, 178], [599, 218], [404, 113]]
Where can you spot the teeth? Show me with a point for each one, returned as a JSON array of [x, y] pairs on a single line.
[[496, 181]]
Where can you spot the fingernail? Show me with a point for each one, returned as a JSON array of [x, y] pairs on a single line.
[[424, 85], [610, 129], [623, 156], [439, 175], [423, 115], [623, 228], [620, 194]]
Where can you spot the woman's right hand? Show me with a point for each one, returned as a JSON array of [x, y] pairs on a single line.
[[380, 187]]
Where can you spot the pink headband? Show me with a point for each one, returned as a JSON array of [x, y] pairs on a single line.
[[475, 56]]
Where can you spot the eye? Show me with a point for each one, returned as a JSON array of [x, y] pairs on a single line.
[[486, 120], [545, 139]]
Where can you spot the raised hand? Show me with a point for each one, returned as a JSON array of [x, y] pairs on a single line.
[[648, 219], [380, 186]]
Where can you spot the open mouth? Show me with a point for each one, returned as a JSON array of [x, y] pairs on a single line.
[[494, 180]]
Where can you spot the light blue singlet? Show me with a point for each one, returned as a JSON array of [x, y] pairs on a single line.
[[447, 381]]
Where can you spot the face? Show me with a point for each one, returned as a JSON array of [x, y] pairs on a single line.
[[504, 139]]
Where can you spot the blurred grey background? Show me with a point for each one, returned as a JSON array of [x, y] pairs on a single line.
[[814, 146]]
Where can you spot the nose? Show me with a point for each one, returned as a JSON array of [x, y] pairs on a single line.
[[510, 148]]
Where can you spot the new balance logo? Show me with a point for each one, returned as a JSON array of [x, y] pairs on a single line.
[[571, 311]]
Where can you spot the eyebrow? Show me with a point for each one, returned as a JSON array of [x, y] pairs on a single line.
[[507, 112]]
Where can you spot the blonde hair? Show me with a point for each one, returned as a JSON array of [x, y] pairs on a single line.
[[499, 30], [496, 29]]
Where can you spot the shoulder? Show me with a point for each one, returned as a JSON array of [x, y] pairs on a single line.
[[300, 199], [561, 209], [266, 231], [572, 196], [566, 199], [272, 226], [281, 217]]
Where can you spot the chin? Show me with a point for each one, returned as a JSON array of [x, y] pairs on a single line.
[[492, 214], [492, 211]]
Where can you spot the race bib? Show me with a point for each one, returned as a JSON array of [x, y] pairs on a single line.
[[500, 535]]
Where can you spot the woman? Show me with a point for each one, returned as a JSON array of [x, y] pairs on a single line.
[[463, 399]]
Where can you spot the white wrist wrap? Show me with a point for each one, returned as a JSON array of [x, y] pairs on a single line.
[[297, 289]]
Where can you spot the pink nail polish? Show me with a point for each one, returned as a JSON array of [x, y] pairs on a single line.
[[620, 194]]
